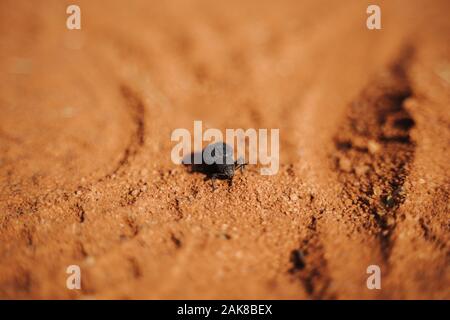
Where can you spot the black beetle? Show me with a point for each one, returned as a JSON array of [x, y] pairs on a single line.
[[218, 162]]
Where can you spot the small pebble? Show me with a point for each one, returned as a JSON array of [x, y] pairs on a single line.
[[345, 164], [373, 146], [90, 260], [360, 170]]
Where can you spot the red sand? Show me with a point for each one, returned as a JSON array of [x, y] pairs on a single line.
[[85, 170]]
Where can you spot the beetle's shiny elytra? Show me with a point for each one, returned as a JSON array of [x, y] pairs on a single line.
[[219, 159]]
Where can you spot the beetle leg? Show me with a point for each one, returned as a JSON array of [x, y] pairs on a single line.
[[239, 166], [213, 178]]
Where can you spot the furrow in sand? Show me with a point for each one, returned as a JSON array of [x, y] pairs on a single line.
[[374, 151], [137, 111], [309, 264]]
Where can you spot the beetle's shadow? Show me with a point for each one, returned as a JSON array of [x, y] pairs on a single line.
[[203, 168]]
